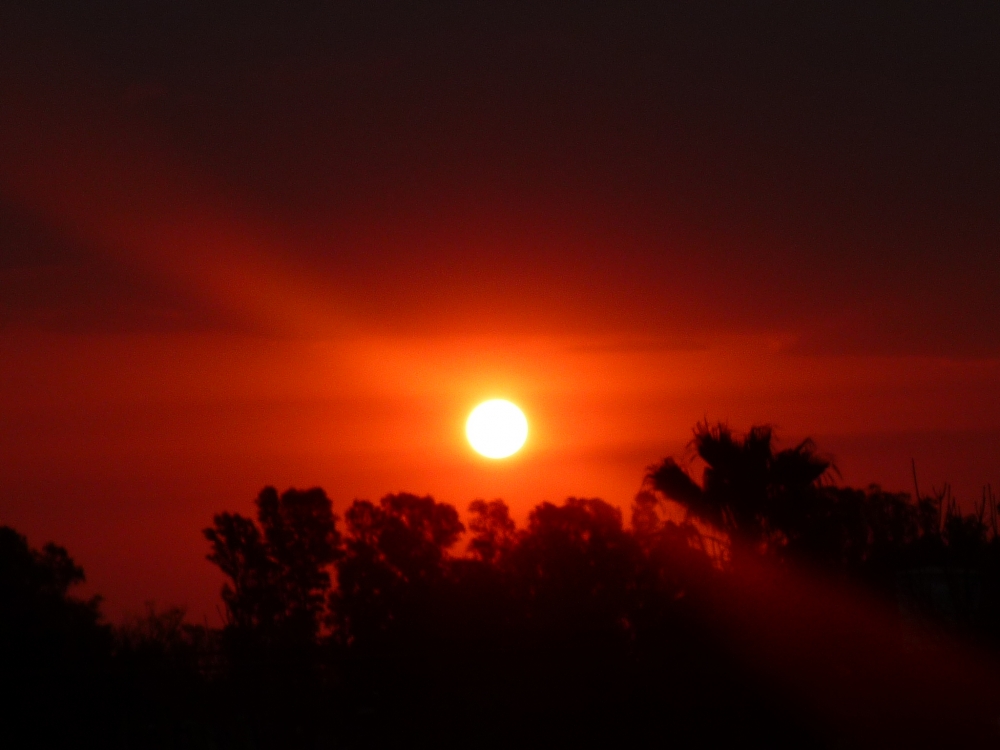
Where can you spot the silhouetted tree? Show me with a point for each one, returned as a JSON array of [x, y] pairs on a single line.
[[279, 566], [394, 553], [760, 497], [494, 532], [54, 651], [573, 629], [279, 570], [676, 558], [924, 552], [576, 564]]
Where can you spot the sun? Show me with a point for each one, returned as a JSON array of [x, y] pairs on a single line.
[[496, 428]]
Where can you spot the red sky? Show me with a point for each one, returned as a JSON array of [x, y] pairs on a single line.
[[296, 246]]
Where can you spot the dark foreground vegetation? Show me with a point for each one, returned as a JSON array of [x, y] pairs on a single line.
[[760, 603]]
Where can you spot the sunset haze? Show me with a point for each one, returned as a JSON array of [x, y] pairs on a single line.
[[297, 246]]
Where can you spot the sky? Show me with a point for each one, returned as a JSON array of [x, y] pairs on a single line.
[[296, 244]]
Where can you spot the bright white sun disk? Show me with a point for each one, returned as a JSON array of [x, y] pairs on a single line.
[[496, 428]]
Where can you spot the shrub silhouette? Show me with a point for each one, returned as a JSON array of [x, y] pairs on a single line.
[[161, 664]]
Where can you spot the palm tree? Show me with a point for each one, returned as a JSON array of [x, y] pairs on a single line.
[[757, 495]]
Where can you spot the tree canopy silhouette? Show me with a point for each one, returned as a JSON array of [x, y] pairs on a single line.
[[573, 628], [748, 489], [395, 552], [278, 566], [54, 651], [493, 530]]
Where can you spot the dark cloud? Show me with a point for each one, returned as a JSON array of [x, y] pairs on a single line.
[[827, 168], [49, 281]]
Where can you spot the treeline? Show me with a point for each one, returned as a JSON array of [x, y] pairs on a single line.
[[397, 623]]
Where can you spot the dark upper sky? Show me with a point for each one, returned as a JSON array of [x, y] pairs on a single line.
[[828, 169]]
